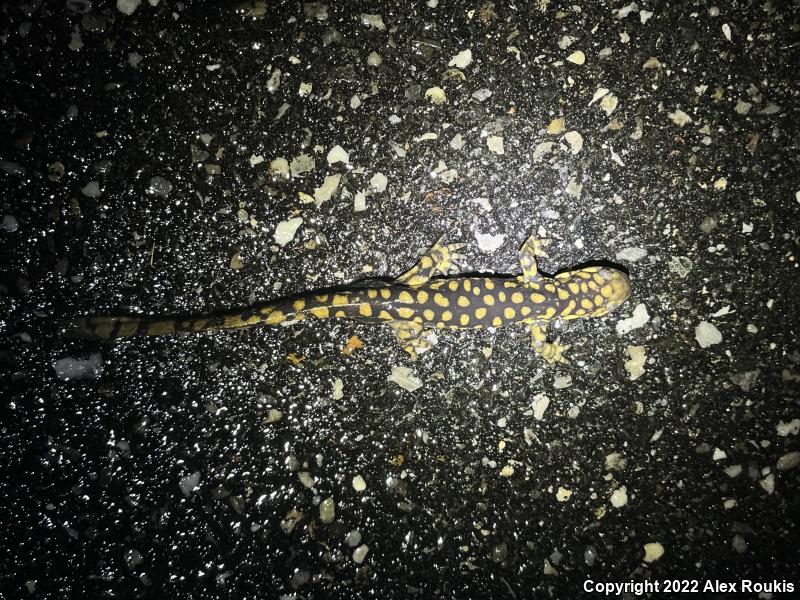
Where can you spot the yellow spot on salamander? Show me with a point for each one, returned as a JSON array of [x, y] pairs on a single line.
[[386, 293], [130, 328], [385, 316], [584, 287], [501, 295], [568, 308], [598, 300], [476, 291], [441, 300], [525, 311], [497, 321], [463, 301], [509, 313], [365, 310], [586, 303], [488, 284], [537, 298], [562, 293], [372, 294], [606, 291], [299, 304], [548, 314], [573, 287], [464, 319], [598, 279], [467, 285], [440, 325], [480, 312], [550, 287], [517, 297], [592, 285], [339, 300], [405, 297], [428, 314], [405, 312], [339, 314], [321, 312], [447, 316], [453, 285], [426, 262], [323, 298], [272, 319], [488, 300], [422, 297]]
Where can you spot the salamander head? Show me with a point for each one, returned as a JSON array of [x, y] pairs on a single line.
[[620, 288]]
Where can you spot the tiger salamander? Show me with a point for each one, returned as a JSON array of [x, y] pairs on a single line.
[[420, 300]]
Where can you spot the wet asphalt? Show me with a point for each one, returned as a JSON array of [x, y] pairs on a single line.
[[158, 162]]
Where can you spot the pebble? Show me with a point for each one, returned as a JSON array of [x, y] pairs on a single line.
[[635, 366], [461, 60], [495, 144], [404, 377], [189, 482], [359, 484], [679, 117], [575, 141], [488, 242], [707, 334], [337, 154], [631, 254], [286, 230], [378, 182], [639, 318], [360, 553], [577, 58], [436, 95], [788, 461], [619, 497], [653, 551], [327, 510]]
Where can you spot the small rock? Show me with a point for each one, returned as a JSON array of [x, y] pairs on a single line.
[[707, 335], [360, 553], [286, 230], [653, 551], [327, 510], [488, 242], [788, 461], [631, 254], [619, 497], [639, 318], [577, 58], [337, 154], [461, 60]]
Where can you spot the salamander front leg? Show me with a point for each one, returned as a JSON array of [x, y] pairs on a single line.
[[532, 249], [438, 260], [552, 352], [412, 337]]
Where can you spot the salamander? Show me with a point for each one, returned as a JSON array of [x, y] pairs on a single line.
[[417, 302]]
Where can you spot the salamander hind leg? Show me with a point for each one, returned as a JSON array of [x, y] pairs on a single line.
[[438, 260], [412, 337], [532, 249], [552, 352]]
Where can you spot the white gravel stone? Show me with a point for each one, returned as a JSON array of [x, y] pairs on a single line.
[[707, 334], [286, 230]]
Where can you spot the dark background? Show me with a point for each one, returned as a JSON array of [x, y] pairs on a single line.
[[91, 467]]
